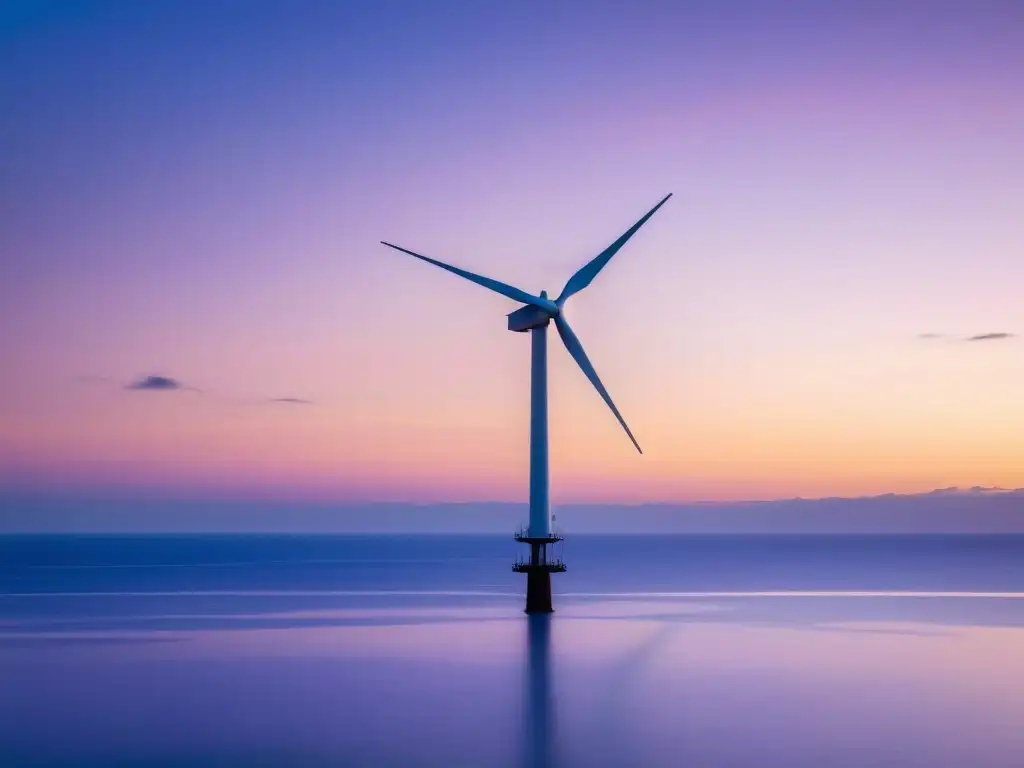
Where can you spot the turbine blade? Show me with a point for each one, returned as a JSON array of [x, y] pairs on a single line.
[[588, 271], [576, 350], [495, 285]]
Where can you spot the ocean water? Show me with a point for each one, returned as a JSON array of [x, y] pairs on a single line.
[[414, 651]]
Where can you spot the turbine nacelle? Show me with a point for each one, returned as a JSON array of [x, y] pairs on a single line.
[[531, 316]]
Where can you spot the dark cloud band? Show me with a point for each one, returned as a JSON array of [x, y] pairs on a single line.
[[158, 383]]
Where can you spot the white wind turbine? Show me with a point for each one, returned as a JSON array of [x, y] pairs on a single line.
[[534, 316]]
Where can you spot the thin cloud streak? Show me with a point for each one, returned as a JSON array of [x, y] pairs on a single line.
[[157, 383], [996, 336], [990, 337]]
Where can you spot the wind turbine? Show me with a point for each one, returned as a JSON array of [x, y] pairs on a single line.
[[534, 316]]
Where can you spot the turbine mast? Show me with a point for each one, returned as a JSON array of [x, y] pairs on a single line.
[[539, 567], [540, 509]]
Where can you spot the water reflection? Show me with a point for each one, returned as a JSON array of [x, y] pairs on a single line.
[[538, 698], [659, 683]]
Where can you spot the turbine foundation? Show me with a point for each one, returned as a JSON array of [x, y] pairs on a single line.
[[538, 570]]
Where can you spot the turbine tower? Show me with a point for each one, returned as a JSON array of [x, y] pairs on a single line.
[[534, 316]]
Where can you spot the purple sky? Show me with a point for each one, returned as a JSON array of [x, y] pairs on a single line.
[[197, 191]]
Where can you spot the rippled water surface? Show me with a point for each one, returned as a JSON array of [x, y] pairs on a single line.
[[703, 651]]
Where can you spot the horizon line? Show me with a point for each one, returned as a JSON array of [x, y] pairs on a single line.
[[154, 494]]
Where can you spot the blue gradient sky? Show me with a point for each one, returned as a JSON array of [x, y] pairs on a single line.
[[197, 190]]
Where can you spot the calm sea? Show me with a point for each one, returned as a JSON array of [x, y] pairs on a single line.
[[413, 650]]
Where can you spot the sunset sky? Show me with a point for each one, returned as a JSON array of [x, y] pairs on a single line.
[[197, 190]]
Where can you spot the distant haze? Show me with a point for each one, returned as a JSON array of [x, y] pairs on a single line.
[[950, 510]]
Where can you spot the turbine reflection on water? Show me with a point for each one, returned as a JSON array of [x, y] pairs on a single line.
[[538, 701]]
